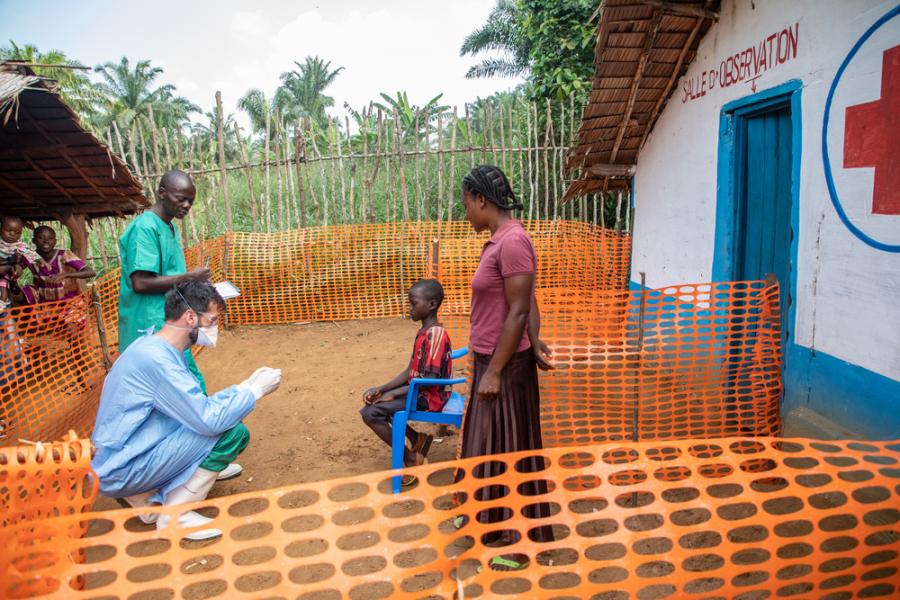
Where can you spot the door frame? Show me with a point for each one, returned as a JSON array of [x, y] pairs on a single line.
[[730, 156]]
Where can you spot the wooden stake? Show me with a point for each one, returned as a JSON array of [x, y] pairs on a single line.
[[521, 161], [549, 118], [101, 242], [326, 206], [364, 179], [371, 186], [122, 152], [298, 157], [503, 163], [343, 212], [402, 168], [266, 206], [352, 163], [619, 212], [248, 173], [450, 196], [289, 168], [178, 156], [416, 168], [165, 140], [131, 148], [220, 138], [531, 184], [470, 134], [389, 212], [279, 198], [429, 214], [209, 199], [340, 154], [440, 174], [489, 136], [151, 123], [144, 154], [627, 212]]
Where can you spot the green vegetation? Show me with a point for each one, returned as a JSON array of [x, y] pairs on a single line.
[[550, 42], [392, 160]]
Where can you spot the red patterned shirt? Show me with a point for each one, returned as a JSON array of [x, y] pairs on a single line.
[[431, 359]]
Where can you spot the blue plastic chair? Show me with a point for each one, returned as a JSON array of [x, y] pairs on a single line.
[[401, 418]]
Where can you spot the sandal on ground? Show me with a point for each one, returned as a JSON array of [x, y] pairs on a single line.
[[509, 562], [408, 480], [423, 444], [460, 521]]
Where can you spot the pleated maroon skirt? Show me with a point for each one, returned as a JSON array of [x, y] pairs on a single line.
[[508, 423]]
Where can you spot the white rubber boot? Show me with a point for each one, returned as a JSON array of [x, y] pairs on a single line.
[[143, 501], [194, 489], [232, 470]]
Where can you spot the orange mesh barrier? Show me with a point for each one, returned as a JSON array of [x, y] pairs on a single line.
[[40, 481], [694, 361], [51, 369], [363, 271], [46, 480], [735, 518]]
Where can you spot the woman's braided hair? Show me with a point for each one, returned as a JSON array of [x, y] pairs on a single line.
[[491, 183]]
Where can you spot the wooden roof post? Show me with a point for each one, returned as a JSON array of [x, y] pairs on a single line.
[[76, 224]]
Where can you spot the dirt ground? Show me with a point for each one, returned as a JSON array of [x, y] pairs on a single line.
[[310, 428]]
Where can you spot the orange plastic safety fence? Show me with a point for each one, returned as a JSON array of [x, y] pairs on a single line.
[[363, 271], [693, 361], [723, 518], [40, 481], [51, 370], [44, 480], [51, 367]]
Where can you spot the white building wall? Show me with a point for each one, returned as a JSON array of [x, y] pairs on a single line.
[[848, 293]]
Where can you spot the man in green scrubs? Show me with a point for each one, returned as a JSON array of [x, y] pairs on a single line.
[[153, 262]]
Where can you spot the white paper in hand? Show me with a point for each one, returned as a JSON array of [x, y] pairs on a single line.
[[227, 290]]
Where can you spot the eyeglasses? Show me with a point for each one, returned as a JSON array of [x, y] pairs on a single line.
[[213, 319]]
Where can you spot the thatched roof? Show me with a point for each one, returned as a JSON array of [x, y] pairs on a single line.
[[49, 164], [643, 48]]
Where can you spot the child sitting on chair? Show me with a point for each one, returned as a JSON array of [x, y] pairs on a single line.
[[56, 272], [430, 359], [12, 251]]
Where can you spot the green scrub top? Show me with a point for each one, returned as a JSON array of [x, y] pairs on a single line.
[[148, 244]]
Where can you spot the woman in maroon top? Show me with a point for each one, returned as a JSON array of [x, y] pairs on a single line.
[[503, 414]]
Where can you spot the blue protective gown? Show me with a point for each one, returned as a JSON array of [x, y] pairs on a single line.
[[155, 426]]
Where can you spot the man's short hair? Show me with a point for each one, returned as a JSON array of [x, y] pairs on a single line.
[[175, 178], [431, 289], [194, 295]]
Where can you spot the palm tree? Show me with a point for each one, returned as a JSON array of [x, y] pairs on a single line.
[[208, 129], [407, 113], [499, 34], [255, 104], [301, 93], [72, 84], [129, 92]]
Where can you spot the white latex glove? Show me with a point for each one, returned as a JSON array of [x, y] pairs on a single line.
[[263, 381]]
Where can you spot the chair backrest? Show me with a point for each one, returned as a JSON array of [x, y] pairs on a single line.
[[459, 353]]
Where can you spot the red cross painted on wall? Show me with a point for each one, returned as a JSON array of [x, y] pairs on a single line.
[[872, 137]]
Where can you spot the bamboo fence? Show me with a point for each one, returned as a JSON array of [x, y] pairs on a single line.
[[374, 167]]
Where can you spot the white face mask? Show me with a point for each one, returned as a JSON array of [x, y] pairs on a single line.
[[207, 336]]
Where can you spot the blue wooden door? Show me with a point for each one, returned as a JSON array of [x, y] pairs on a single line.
[[764, 235]]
